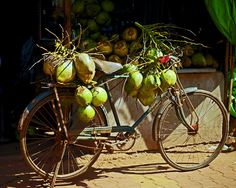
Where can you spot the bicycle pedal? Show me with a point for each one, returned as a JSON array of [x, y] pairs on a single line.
[[109, 149]]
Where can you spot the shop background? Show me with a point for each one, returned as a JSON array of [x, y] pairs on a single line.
[[20, 26]]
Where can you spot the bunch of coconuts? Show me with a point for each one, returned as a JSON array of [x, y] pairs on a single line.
[[149, 79], [119, 46], [198, 57], [87, 99], [67, 69], [94, 15], [81, 67], [95, 18]]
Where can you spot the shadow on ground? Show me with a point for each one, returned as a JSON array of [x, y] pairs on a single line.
[[15, 173]]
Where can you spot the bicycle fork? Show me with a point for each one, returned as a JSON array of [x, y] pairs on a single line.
[[179, 98]]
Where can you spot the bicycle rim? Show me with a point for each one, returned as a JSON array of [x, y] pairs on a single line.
[[183, 150], [42, 143]]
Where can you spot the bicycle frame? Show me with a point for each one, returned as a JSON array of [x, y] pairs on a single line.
[[172, 93]]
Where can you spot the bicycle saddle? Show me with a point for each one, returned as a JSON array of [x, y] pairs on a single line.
[[107, 67]]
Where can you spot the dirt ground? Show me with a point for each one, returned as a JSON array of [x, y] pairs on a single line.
[[141, 169]]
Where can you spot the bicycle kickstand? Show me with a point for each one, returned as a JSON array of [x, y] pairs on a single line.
[[58, 166]]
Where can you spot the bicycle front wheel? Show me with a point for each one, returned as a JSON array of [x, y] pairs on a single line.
[[185, 150], [43, 144]]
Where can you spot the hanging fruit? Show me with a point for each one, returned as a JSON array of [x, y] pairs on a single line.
[[99, 96], [83, 96], [154, 53], [85, 113], [146, 97], [129, 68], [151, 82], [133, 83], [168, 77], [85, 67]]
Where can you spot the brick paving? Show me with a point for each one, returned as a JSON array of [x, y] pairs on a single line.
[[122, 170]]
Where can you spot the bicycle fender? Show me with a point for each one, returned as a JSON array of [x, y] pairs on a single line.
[[30, 106], [161, 110]]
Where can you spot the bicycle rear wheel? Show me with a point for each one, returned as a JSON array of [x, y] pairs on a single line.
[[184, 150], [42, 141]]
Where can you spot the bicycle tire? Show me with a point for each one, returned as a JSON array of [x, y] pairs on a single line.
[[185, 151], [41, 142]]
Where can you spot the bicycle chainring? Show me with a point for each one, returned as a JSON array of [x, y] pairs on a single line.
[[126, 142]]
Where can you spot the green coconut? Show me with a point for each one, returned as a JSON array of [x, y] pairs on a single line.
[[145, 96], [107, 5], [92, 25], [169, 77], [78, 7], [199, 60], [85, 113], [154, 53], [151, 82], [92, 9], [99, 96], [129, 68], [85, 67], [65, 72], [83, 95], [133, 83], [103, 18]]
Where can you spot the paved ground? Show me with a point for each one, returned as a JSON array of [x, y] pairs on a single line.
[[120, 170]]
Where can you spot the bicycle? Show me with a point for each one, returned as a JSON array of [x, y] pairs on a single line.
[[56, 146]]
